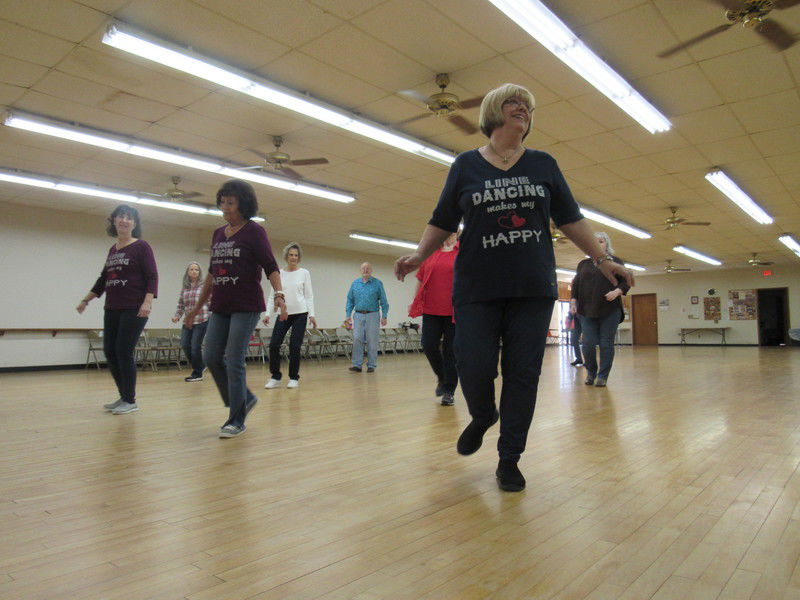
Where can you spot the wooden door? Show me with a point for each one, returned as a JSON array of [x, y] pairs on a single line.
[[645, 319]]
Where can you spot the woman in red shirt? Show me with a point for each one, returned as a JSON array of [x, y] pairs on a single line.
[[434, 301]]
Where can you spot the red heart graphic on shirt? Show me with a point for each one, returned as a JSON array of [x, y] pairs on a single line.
[[113, 276], [510, 220], [221, 271]]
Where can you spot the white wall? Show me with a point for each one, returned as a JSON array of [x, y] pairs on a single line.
[[50, 259], [678, 288]]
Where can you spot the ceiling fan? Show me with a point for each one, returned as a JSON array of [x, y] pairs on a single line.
[[756, 262], [278, 161], [673, 221], [444, 104], [752, 14], [175, 194], [670, 269]]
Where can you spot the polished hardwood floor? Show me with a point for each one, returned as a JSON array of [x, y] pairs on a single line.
[[678, 481]]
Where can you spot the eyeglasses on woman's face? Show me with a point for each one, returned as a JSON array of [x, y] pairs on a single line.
[[517, 103]]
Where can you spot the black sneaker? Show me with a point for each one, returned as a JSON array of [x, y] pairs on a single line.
[[370, 369], [589, 380], [194, 377], [447, 399], [355, 369], [577, 363], [509, 478], [472, 436], [439, 389]]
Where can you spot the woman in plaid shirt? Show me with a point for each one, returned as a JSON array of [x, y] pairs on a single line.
[[192, 339]]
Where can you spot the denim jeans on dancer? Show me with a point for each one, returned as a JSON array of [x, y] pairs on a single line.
[[121, 331], [522, 324], [297, 323], [192, 344], [600, 332], [227, 340], [437, 343], [366, 326]]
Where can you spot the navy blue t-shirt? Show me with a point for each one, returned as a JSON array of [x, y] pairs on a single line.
[[506, 250]]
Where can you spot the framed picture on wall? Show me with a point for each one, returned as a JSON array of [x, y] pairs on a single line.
[[695, 299]]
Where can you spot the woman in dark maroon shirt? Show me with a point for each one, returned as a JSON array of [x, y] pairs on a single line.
[[240, 250], [130, 281], [433, 300]]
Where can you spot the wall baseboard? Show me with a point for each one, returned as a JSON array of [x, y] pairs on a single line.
[[47, 368]]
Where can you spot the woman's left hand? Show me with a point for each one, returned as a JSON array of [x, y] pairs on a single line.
[[613, 294], [313, 322], [144, 309]]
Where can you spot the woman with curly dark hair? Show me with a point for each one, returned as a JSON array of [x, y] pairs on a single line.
[[239, 252], [129, 279]]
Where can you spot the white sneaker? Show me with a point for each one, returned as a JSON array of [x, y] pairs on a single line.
[[124, 408], [272, 384], [293, 383]]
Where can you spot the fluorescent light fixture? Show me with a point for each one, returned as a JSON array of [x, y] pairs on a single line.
[[369, 237], [129, 39], [544, 26], [78, 133], [726, 185], [635, 267], [85, 189], [790, 243], [624, 227], [696, 255], [561, 271]]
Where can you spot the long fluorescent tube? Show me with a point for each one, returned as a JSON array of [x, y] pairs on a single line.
[[635, 267], [726, 185], [84, 135], [544, 26], [790, 243], [87, 189], [369, 237], [129, 39], [696, 255], [561, 271], [624, 227]]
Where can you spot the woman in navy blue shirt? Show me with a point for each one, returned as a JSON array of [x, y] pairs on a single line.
[[505, 284]]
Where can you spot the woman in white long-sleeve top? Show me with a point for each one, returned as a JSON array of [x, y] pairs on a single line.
[[299, 296]]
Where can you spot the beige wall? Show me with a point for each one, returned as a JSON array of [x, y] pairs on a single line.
[[50, 259], [678, 288]]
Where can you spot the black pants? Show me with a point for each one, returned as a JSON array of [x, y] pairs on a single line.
[[521, 324], [297, 323], [437, 343], [121, 331], [575, 339]]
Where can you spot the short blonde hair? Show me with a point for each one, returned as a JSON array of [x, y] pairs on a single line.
[[492, 106], [293, 246]]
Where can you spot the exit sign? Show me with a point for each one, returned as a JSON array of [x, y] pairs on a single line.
[[766, 273]]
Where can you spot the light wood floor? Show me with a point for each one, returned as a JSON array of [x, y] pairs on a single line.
[[680, 480]]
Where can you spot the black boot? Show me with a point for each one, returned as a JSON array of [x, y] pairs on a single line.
[[472, 436], [509, 478]]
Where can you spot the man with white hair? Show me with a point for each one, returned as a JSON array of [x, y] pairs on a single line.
[[367, 309]]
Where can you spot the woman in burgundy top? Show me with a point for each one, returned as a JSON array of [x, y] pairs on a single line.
[[239, 252], [129, 279], [599, 308], [434, 301]]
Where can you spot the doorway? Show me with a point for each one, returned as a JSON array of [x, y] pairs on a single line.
[[645, 320], [773, 316]]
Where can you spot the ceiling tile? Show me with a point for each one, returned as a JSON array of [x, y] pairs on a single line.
[[748, 73], [31, 46], [774, 111]]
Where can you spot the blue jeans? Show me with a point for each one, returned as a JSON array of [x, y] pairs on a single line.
[[227, 340], [599, 331], [366, 326], [521, 324], [192, 344]]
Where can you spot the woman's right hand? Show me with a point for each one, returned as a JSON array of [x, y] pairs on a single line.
[[406, 264], [175, 319], [188, 320]]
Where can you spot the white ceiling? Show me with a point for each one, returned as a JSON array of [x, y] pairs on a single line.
[[733, 102]]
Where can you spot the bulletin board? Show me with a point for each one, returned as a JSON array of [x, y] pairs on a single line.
[[712, 308], [742, 305]]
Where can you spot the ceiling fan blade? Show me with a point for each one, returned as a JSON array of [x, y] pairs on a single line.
[[416, 118], [775, 34], [253, 168], [290, 173], [703, 223], [783, 4], [187, 195], [308, 161], [473, 102], [680, 270], [698, 38], [414, 95], [463, 124]]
